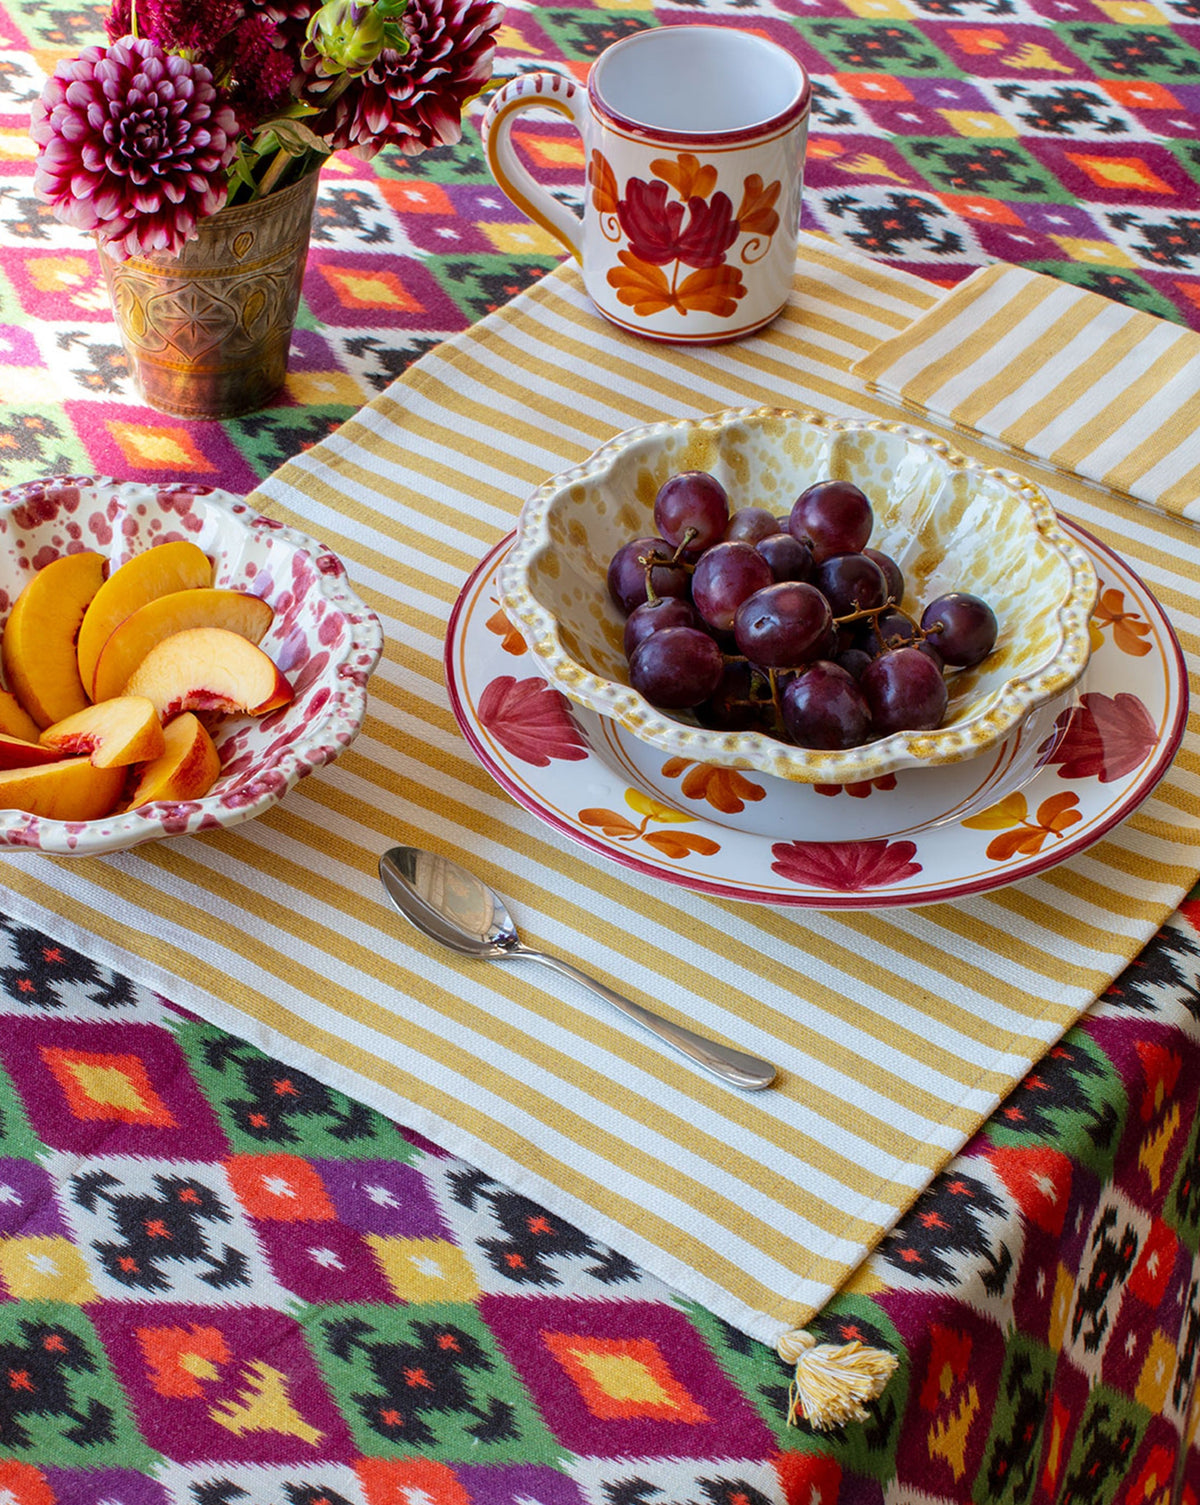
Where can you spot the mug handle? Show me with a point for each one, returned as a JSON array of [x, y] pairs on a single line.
[[533, 91]]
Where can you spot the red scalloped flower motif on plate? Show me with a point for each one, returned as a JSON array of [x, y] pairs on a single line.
[[845, 867], [678, 230], [1104, 737], [529, 718]]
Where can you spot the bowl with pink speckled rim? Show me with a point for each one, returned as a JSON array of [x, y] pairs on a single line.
[[322, 638]]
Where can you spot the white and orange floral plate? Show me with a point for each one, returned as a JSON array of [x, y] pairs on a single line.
[[1067, 775]]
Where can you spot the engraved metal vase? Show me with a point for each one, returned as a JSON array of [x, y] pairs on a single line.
[[207, 332]]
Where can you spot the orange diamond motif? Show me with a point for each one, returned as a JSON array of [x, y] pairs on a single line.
[[1120, 172], [370, 287], [624, 1379], [154, 447], [98, 1085]]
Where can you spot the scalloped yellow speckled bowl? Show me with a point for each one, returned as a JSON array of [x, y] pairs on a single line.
[[950, 523]]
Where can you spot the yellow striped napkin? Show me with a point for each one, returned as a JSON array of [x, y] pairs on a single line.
[[896, 1031], [1085, 384]]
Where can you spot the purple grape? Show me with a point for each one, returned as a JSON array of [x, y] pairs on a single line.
[[751, 525], [892, 629], [788, 557], [905, 692], [892, 573], [724, 576], [962, 627], [782, 625], [691, 509], [854, 661], [823, 707], [653, 616], [850, 582], [740, 703], [627, 578], [834, 517], [676, 668]]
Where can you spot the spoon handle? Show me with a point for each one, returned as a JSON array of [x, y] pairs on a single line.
[[732, 1066]]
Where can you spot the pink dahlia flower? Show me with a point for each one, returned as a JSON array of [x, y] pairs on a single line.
[[415, 100], [134, 146]]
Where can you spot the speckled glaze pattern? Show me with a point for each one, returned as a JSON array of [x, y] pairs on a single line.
[[950, 523], [322, 638]]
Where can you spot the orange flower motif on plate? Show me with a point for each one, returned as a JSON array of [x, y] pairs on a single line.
[[725, 789], [1023, 835], [671, 842], [1129, 628]]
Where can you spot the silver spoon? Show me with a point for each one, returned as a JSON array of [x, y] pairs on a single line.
[[448, 903]]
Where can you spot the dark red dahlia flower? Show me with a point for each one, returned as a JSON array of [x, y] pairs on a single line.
[[415, 101], [134, 146]]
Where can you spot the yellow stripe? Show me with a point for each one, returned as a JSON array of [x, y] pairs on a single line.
[[1070, 386], [1123, 405]]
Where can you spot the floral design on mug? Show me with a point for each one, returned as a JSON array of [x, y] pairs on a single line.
[[679, 228]]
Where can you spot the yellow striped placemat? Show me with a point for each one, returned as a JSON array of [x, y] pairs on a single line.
[[1091, 386], [897, 1031]]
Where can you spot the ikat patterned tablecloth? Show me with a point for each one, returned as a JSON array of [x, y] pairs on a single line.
[[223, 1283]]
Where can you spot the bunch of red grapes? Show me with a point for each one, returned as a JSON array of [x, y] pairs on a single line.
[[789, 625]]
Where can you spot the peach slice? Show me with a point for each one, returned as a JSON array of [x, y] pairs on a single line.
[[113, 733], [186, 769], [15, 721], [38, 648], [209, 669], [15, 752], [70, 790], [176, 566], [232, 611]]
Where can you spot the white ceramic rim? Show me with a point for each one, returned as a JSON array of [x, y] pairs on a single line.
[[766, 125], [755, 750]]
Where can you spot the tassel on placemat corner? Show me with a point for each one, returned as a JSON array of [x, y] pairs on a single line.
[[833, 1382]]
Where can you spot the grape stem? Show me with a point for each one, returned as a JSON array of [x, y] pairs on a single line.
[[667, 561]]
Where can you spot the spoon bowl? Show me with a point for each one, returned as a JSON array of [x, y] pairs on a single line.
[[450, 904]]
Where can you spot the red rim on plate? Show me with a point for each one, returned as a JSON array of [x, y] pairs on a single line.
[[1098, 756]]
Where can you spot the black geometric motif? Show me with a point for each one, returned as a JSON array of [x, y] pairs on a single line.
[[1065, 1087], [1107, 1443], [947, 1220], [1169, 962], [350, 209], [157, 1229], [422, 1377], [903, 222], [39, 1385], [1014, 1456], [226, 1492], [279, 1100], [1175, 243], [534, 1237], [1065, 110], [1134, 52], [389, 359], [1189, 1341], [1112, 1260], [109, 366], [44, 966]]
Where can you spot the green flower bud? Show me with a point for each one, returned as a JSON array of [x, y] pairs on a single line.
[[347, 35]]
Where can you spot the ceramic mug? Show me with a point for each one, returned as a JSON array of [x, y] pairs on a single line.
[[694, 138]]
